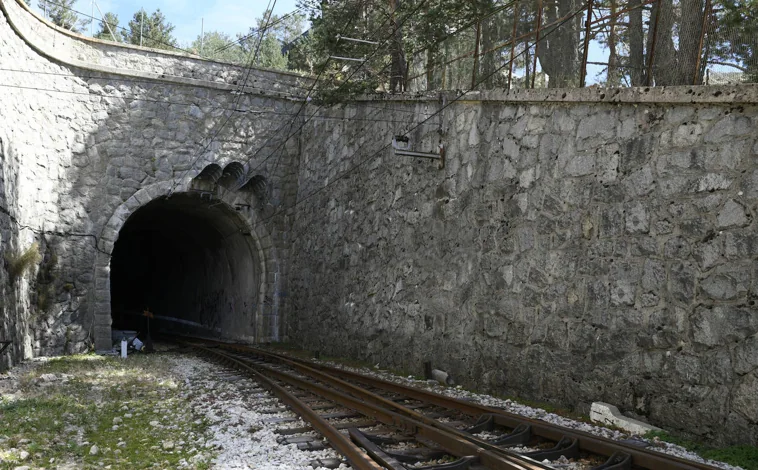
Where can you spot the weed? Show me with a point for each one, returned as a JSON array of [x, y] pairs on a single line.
[[743, 456], [20, 263], [125, 408]]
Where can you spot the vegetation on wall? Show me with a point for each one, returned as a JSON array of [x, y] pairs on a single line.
[[20, 263]]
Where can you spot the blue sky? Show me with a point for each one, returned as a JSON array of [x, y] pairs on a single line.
[[227, 16]]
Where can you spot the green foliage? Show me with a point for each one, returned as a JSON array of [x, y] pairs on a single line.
[[20, 263], [743, 456], [210, 46], [112, 21], [738, 19], [153, 29], [279, 32], [54, 420], [61, 12]]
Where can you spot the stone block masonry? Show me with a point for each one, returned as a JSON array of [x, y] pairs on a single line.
[[572, 250], [579, 245], [90, 132]]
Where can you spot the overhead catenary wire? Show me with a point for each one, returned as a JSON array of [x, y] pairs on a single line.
[[285, 140], [290, 124], [250, 68], [240, 40], [173, 46], [411, 129], [376, 49], [378, 151], [188, 104]]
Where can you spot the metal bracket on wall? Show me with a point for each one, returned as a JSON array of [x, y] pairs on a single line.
[[401, 145], [4, 345]]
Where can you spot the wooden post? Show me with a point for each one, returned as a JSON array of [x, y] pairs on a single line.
[[476, 53], [706, 17]]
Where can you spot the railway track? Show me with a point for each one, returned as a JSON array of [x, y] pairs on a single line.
[[378, 424]]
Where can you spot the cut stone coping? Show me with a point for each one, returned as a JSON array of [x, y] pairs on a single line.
[[608, 414]]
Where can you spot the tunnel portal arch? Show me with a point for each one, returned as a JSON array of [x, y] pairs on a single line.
[[203, 260]]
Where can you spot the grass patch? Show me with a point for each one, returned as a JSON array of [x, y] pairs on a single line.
[[19, 263], [744, 456], [132, 411]]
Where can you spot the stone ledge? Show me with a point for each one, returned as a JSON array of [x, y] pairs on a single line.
[[711, 94], [74, 50]]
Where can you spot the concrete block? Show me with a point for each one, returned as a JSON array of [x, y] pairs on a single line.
[[605, 413]]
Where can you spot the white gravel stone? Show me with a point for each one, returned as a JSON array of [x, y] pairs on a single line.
[[238, 432]]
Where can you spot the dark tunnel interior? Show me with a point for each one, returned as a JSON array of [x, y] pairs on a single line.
[[189, 261]]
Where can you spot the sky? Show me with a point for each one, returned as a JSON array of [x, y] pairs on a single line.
[[230, 17]]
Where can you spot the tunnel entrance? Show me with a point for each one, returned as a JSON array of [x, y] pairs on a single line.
[[192, 263]]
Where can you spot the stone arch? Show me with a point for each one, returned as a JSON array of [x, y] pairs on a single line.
[[210, 173], [266, 319], [258, 185], [232, 176]]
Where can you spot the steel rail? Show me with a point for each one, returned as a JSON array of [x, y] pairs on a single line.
[[357, 457], [367, 395], [643, 458], [488, 455]]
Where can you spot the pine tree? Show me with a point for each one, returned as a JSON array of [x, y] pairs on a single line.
[[218, 46], [279, 33], [62, 14], [104, 33], [151, 30]]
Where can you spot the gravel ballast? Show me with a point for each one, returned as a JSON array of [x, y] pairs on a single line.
[[177, 410]]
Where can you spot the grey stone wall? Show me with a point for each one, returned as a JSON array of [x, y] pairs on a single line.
[[570, 251], [83, 149], [578, 246]]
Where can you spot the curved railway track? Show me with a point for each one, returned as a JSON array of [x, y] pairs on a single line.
[[378, 424]]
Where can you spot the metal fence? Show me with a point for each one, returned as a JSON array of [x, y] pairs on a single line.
[[567, 43]]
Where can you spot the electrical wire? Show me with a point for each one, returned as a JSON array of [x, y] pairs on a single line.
[[376, 49], [414, 127], [253, 32], [38, 231], [229, 116], [173, 46], [176, 103], [149, 80]]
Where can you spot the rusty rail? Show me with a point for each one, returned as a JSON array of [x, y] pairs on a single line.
[[357, 457], [642, 458], [487, 454]]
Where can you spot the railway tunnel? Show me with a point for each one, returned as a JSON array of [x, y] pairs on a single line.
[[189, 260]]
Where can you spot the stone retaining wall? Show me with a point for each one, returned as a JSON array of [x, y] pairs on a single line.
[[572, 250], [83, 148]]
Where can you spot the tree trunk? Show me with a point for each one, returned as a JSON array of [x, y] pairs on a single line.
[[613, 75], [487, 61], [636, 45], [399, 69], [559, 51]]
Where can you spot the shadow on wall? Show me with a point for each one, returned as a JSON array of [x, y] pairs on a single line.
[[190, 258], [13, 325]]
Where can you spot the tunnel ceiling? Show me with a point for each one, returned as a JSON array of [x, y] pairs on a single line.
[[190, 261]]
